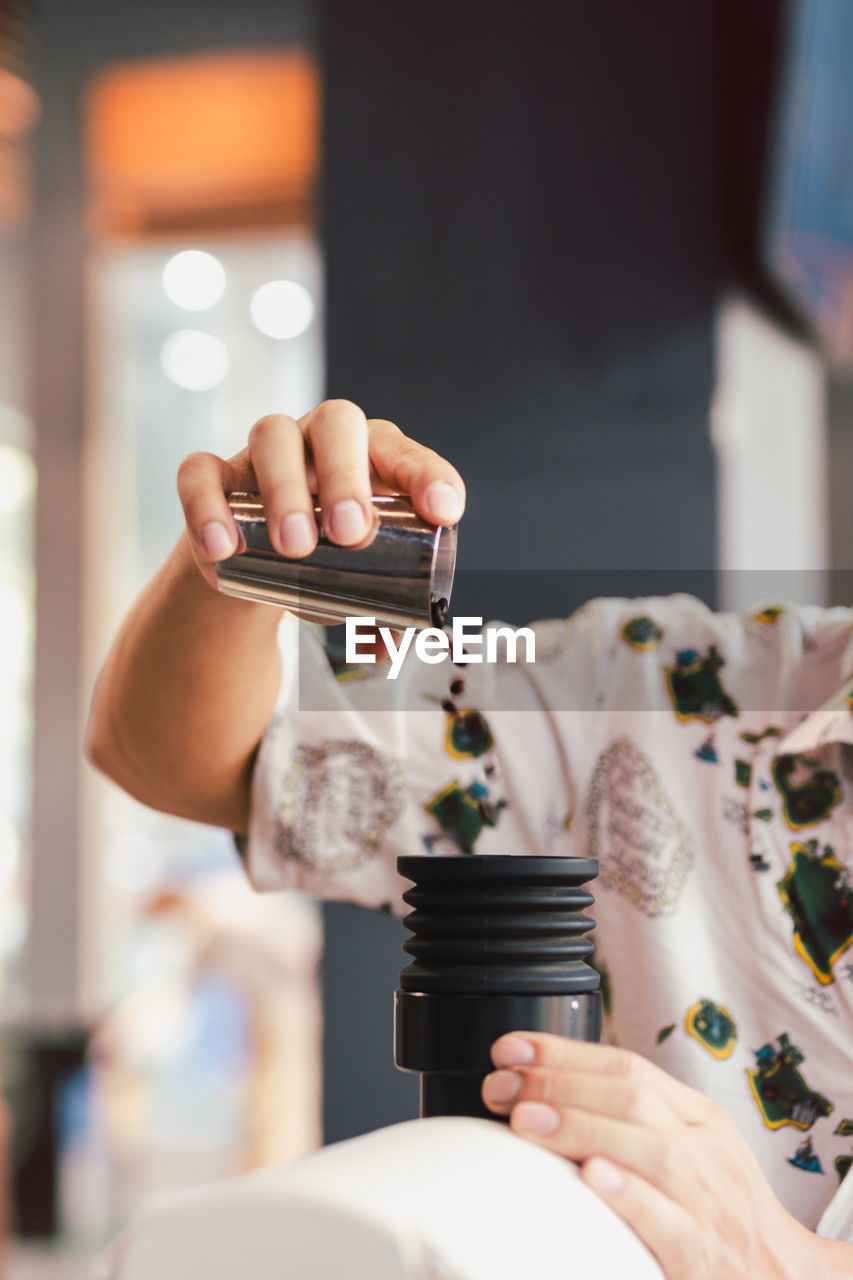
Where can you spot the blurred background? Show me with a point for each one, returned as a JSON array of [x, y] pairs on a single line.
[[599, 256]]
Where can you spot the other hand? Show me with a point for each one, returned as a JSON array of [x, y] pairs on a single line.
[[669, 1161]]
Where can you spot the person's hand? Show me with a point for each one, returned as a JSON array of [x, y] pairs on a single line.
[[664, 1157], [333, 451]]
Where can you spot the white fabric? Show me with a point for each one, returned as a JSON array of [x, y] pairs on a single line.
[[836, 1222], [703, 758], [440, 1199]]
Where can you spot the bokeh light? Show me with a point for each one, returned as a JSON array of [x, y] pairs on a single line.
[[282, 309], [194, 280], [194, 360], [17, 478], [10, 853]]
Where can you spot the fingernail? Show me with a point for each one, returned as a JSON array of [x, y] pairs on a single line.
[[297, 535], [512, 1051], [603, 1176], [535, 1117], [443, 501], [346, 522], [216, 540], [501, 1086]]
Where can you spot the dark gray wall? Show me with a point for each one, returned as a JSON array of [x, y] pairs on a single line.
[[521, 216]]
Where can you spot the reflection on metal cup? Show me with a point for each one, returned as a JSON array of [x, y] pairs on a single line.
[[403, 578]]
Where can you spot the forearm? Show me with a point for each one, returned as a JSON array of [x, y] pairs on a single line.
[[185, 696]]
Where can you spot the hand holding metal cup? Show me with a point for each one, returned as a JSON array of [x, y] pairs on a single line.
[[403, 577]]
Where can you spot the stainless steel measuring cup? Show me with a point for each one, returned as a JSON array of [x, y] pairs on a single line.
[[402, 579]]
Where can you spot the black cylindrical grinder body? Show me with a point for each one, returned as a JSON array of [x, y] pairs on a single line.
[[498, 944]]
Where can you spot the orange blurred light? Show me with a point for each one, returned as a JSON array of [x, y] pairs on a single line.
[[19, 111], [19, 106], [208, 140]]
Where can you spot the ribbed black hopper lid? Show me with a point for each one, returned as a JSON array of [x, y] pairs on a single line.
[[489, 923]]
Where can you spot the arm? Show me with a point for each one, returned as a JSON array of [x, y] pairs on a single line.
[[185, 695], [189, 686]]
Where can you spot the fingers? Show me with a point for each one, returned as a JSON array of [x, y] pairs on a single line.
[[605, 1095], [669, 1162], [667, 1229], [558, 1054], [583, 1100], [333, 450], [277, 452], [336, 432], [203, 481], [579, 1135], [436, 487]]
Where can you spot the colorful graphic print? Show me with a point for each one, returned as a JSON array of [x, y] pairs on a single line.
[[842, 1166], [707, 752], [757, 850], [817, 895], [780, 1092], [743, 773], [643, 848], [754, 739], [642, 633], [809, 793], [336, 801], [769, 615], [695, 688], [713, 1026], [806, 1158], [468, 734], [463, 813]]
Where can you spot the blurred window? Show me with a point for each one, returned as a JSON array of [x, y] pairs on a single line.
[[206, 312], [19, 111]]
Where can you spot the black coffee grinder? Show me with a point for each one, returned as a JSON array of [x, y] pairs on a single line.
[[499, 944]]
